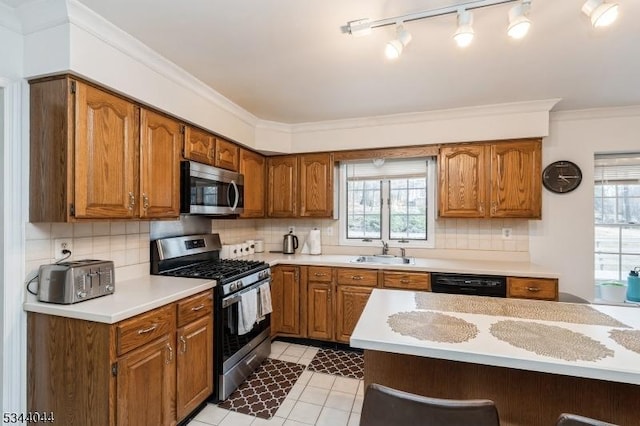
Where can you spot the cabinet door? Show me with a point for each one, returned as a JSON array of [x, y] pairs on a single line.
[[195, 364], [161, 140], [227, 155], [285, 298], [106, 155], [199, 145], [282, 185], [515, 179], [350, 303], [146, 385], [319, 311], [316, 185], [407, 280], [462, 182], [252, 166], [532, 288]]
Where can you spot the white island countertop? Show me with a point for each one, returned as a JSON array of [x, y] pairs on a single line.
[[616, 363], [131, 297]]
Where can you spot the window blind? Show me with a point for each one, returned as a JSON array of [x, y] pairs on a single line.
[[617, 168], [360, 170]]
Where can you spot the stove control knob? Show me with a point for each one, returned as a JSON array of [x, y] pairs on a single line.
[[82, 294], [233, 287], [238, 284]]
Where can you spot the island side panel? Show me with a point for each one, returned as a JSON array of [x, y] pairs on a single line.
[[522, 397]]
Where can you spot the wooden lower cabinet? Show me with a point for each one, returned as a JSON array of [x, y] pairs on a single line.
[[285, 300], [135, 372], [350, 302], [320, 311], [532, 288], [406, 280]]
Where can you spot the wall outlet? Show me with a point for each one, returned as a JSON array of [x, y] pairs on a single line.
[[329, 230], [59, 245], [507, 233], [292, 229]]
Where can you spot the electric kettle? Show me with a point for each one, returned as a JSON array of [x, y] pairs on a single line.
[[289, 244]]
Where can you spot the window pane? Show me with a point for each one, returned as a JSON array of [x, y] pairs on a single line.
[[408, 209], [609, 210], [629, 210], [363, 209], [607, 267], [607, 239], [631, 240], [629, 262], [609, 190]]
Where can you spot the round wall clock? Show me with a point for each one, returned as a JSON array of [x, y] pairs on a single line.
[[561, 177]]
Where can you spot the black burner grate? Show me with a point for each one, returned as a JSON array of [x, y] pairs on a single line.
[[220, 270]]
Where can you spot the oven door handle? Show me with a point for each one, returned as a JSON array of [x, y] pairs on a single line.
[[235, 298], [236, 199]]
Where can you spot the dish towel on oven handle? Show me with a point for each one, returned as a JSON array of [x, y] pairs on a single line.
[[265, 300], [247, 311]]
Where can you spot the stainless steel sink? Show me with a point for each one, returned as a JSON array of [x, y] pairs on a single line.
[[386, 259]]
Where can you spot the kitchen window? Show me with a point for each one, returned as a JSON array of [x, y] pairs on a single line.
[[616, 215], [388, 200]]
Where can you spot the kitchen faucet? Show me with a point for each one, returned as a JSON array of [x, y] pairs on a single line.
[[385, 248]]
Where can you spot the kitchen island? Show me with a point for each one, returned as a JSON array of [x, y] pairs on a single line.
[[535, 359]]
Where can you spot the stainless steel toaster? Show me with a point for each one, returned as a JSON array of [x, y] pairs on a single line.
[[75, 281]]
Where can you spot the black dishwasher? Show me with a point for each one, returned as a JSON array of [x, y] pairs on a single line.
[[475, 285]]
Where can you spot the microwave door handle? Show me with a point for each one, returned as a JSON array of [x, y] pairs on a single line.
[[237, 197]]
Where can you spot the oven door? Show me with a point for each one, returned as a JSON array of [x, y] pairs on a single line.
[[208, 190]]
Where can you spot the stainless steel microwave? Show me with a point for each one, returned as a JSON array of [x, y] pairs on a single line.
[[208, 190]]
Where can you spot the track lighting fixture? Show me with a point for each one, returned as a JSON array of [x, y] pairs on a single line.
[[519, 22], [464, 33], [600, 12], [394, 48]]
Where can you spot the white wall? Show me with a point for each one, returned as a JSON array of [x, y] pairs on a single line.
[[564, 239]]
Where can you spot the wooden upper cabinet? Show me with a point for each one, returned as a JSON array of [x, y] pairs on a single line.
[[462, 181], [282, 185], [253, 167], [316, 185], [500, 179], [227, 155], [199, 145], [160, 143], [515, 179]]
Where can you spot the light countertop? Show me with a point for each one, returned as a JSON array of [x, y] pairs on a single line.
[[374, 332], [131, 297]]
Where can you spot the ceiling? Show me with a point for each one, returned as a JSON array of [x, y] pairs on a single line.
[[289, 61]]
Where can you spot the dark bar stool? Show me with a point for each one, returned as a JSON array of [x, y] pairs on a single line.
[[384, 406], [566, 419]]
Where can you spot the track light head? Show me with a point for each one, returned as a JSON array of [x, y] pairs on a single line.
[[464, 33], [394, 48], [519, 22], [601, 13]]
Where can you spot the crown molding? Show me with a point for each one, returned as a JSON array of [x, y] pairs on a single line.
[[524, 107], [9, 18], [596, 113], [89, 21]]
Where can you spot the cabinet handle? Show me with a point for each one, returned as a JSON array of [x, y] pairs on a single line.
[[320, 274], [132, 200], [533, 289], [145, 201], [405, 281], [147, 330], [197, 308], [184, 344], [357, 277], [170, 350]]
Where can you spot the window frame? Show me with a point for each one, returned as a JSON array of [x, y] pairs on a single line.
[[385, 219]]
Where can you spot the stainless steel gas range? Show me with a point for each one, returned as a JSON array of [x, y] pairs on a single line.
[[240, 343]]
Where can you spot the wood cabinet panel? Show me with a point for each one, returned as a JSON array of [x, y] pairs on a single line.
[[253, 167], [285, 297], [227, 155], [194, 364], [199, 145], [316, 185], [350, 303], [406, 280], [462, 181], [282, 185], [194, 307], [142, 329], [356, 276], [319, 310], [160, 142], [532, 288], [515, 179], [146, 384]]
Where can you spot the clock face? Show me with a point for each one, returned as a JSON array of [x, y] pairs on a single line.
[[561, 177]]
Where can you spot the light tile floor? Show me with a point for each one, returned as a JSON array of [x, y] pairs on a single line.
[[316, 398]]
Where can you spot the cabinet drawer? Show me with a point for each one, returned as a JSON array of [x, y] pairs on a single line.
[[195, 307], [137, 331], [320, 274], [354, 276], [406, 280], [532, 288]]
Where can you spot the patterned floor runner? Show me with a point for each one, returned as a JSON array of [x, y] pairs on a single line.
[[263, 392], [343, 363]]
